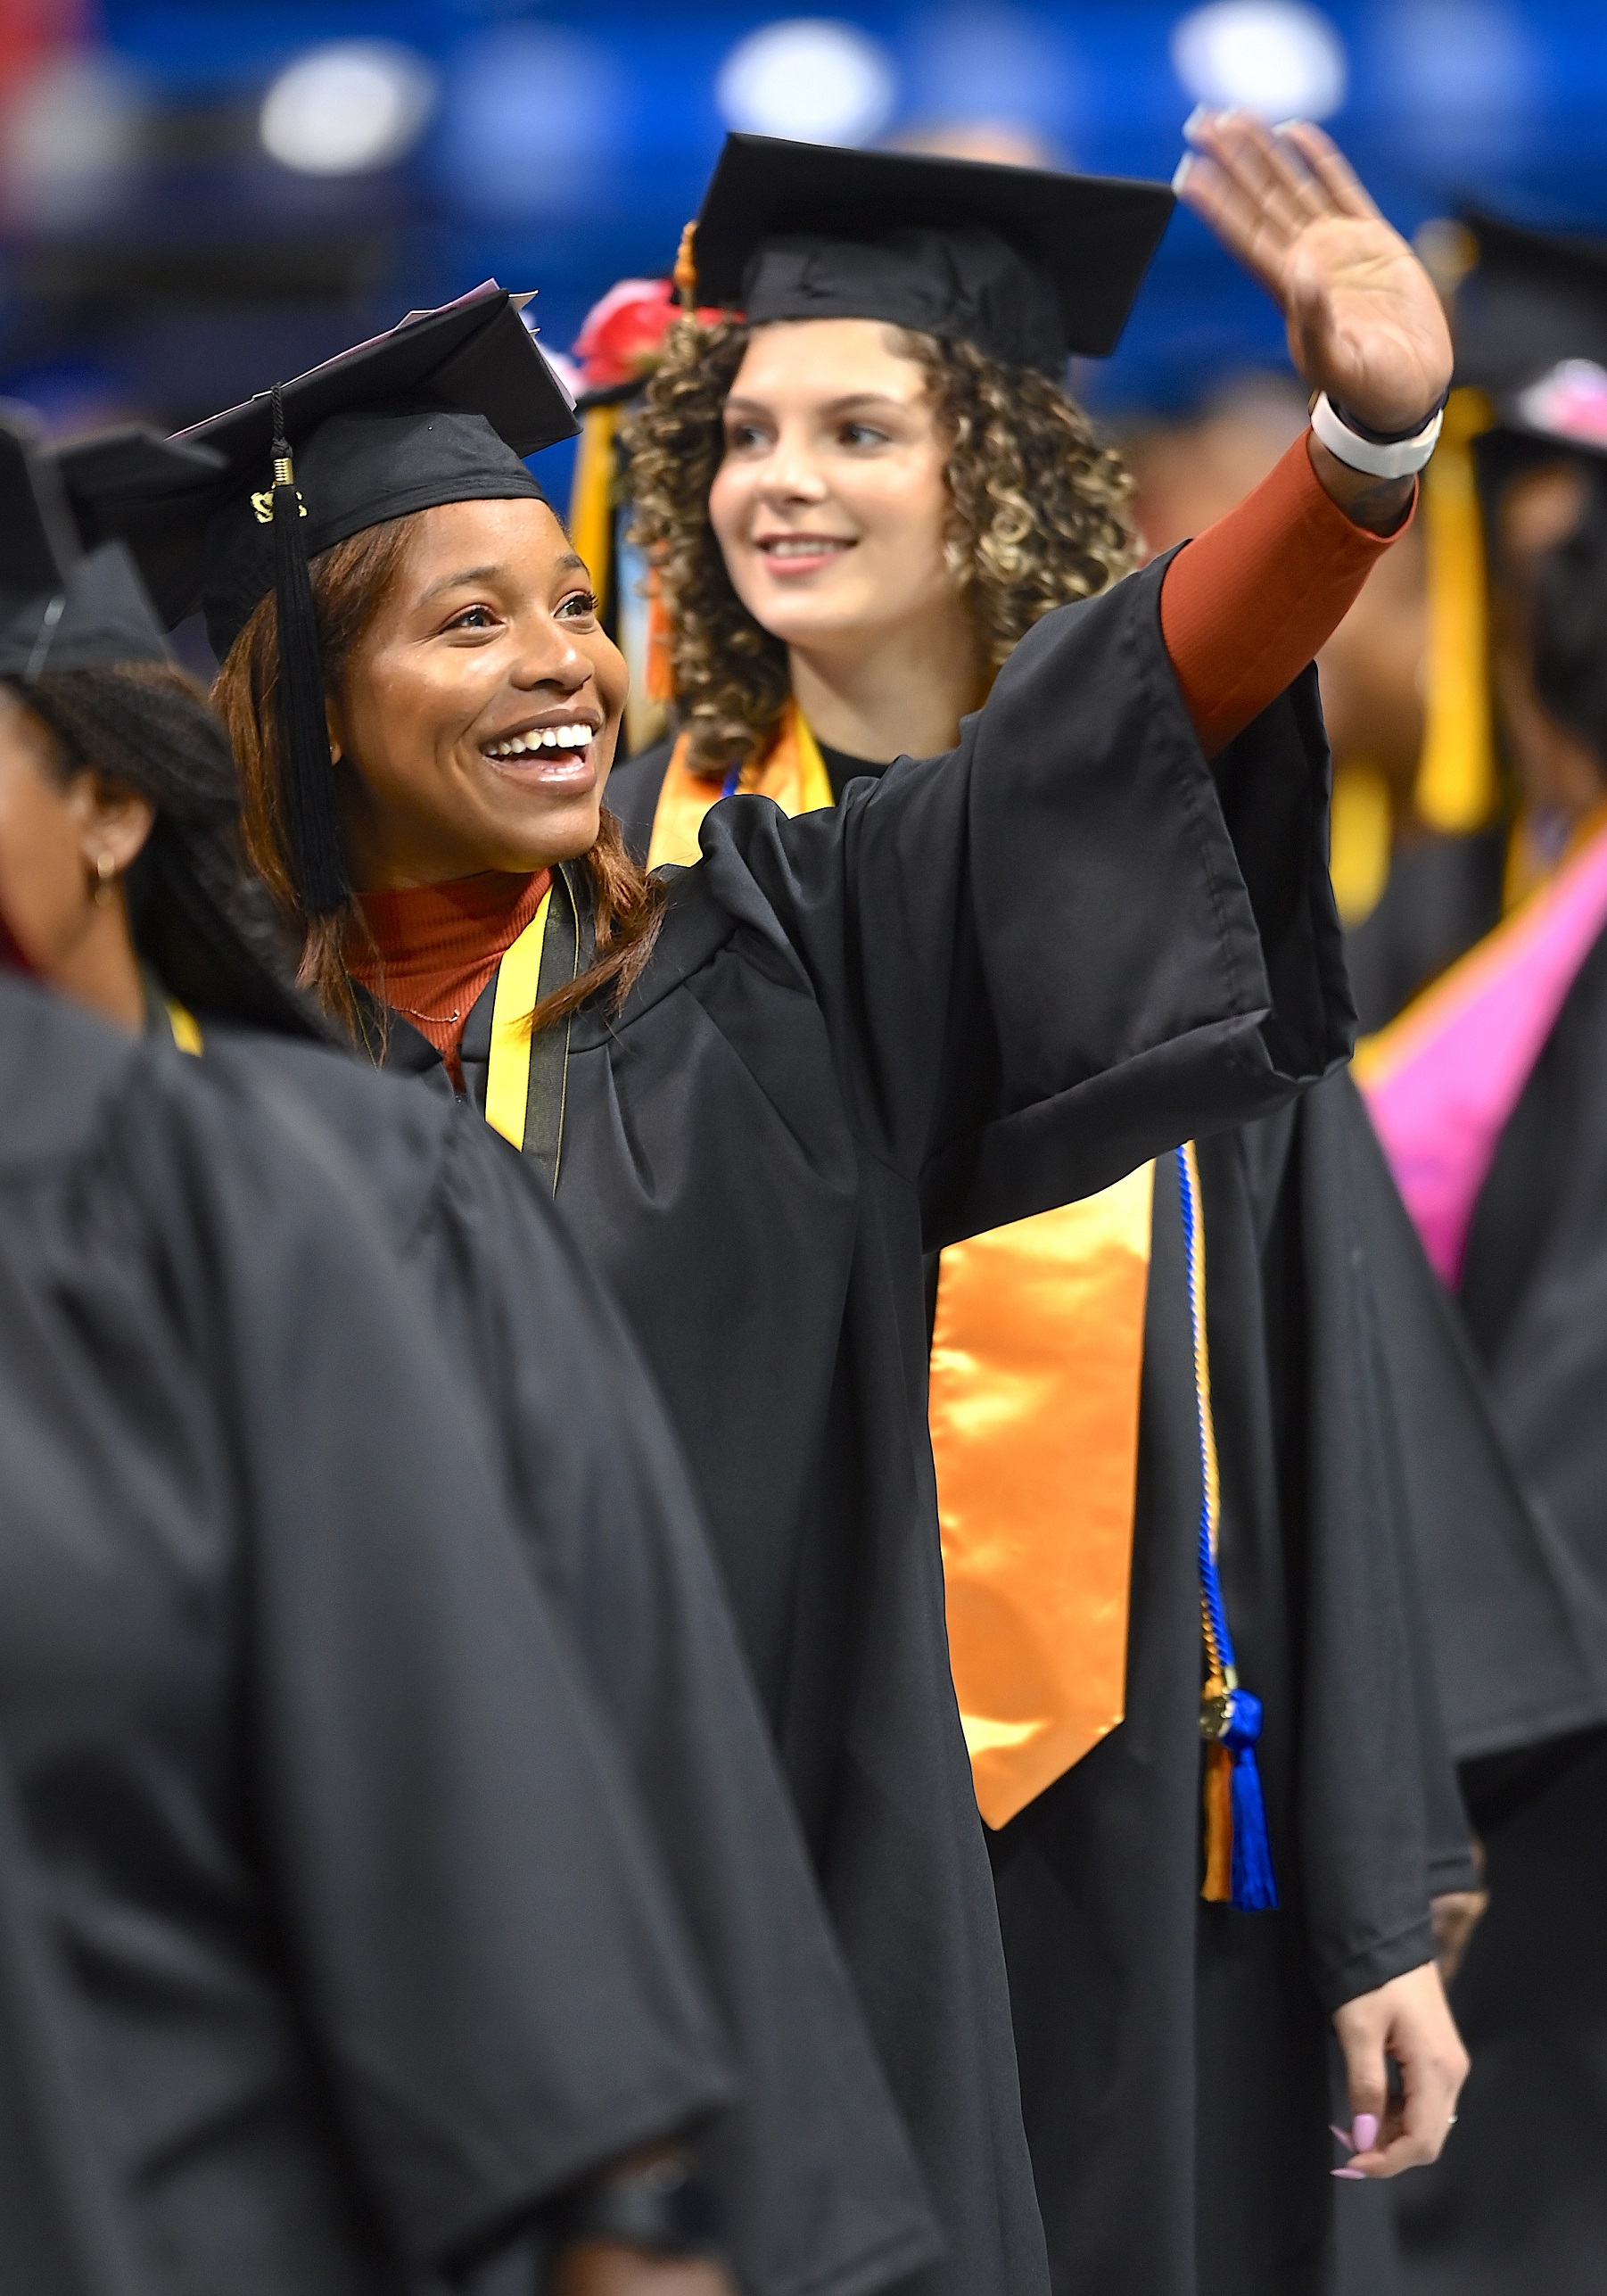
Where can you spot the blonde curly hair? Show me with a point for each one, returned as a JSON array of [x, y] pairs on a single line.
[[1040, 517]]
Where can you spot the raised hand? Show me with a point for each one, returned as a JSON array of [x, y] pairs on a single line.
[[1364, 322]]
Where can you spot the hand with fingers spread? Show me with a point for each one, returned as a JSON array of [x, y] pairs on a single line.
[[1364, 322], [1407, 2022]]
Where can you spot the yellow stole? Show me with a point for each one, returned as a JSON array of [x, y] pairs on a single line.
[[792, 771], [508, 1070], [1037, 1353]]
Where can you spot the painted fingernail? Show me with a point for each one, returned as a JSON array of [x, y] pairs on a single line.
[[1181, 173], [1282, 127], [1363, 2129], [1197, 118], [1343, 2136], [1348, 2176]]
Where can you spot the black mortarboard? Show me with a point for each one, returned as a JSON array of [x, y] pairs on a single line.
[[441, 409], [1028, 264], [1531, 331], [61, 608]]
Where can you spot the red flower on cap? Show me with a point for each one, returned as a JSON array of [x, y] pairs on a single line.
[[624, 331]]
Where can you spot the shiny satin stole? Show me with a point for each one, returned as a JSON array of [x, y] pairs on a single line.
[[791, 770], [1037, 1356], [1037, 1360]]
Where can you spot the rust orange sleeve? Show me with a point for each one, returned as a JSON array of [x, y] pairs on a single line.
[[1246, 604]]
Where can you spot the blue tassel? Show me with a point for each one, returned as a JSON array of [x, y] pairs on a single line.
[[1254, 1890]]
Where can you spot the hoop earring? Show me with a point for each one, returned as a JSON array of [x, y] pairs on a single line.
[[105, 877]]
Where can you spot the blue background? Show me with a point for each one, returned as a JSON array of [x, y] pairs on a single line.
[[568, 147]]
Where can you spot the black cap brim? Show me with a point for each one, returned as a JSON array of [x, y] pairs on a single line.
[[61, 608], [475, 356]]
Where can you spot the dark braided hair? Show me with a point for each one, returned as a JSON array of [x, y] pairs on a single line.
[[1570, 606], [200, 920]]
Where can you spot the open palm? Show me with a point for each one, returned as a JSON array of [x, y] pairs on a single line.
[[1364, 322]]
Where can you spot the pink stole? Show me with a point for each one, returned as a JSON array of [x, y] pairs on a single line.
[[1443, 1080]]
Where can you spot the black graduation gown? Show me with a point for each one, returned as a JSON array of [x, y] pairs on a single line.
[[59, 2231], [1137, 2010], [1442, 895], [369, 1958], [819, 2189], [1174, 2055], [1519, 2200], [978, 988]]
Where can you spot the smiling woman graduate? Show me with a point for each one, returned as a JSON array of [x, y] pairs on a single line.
[[858, 499], [120, 868], [763, 1086]]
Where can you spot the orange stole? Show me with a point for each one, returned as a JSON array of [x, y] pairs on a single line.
[[791, 770], [1036, 1361], [1036, 1357]]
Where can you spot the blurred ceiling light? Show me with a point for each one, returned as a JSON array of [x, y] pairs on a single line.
[[73, 134], [531, 122], [348, 109], [1273, 56], [810, 78]]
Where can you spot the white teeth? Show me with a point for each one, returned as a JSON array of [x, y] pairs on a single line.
[[543, 737], [803, 546]]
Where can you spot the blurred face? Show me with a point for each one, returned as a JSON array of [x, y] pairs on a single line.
[[51, 834], [478, 717], [831, 502], [1557, 772]]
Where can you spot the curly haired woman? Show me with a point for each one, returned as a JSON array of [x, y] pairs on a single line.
[[974, 990], [852, 524]]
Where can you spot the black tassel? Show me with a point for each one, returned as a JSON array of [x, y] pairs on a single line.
[[317, 847]]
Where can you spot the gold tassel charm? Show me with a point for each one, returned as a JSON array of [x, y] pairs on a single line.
[[684, 274]]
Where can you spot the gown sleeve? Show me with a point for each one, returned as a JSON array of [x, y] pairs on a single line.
[[820, 2187], [495, 1982], [1071, 941]]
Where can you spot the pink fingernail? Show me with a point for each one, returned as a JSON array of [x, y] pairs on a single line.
[[1350, 2175], [1364, 2131], [1343, 2136]]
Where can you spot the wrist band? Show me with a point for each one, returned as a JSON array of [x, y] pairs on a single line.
[[663, 2209], [1400, 458]]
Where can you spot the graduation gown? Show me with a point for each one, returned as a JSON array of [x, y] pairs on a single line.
[[1175, 2054], [819, 2189], [980, 987], [1442, 895], [1517, 2201], [369, 1958], [62, 2234]]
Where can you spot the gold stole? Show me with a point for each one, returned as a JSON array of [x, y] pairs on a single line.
[[507, 1069], [1037, 1354], [792, 771]]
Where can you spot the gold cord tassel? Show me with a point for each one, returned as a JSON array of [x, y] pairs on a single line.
[[1456, 778], [684, 274]]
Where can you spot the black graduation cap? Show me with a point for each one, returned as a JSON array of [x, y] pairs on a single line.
[[1026, 263], [61, 608], [440, 409], [1531, 330]]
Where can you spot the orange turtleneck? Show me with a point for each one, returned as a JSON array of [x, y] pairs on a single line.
[[433, 948]]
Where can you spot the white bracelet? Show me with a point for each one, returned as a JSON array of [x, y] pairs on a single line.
[[1399, 460]]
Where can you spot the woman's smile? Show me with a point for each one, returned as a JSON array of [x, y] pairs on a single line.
[[546, 753], [790, 557]]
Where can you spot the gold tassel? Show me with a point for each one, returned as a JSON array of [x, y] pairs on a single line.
[[592, 496], [1218, 1885], [684, 274], [1455, 788]]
